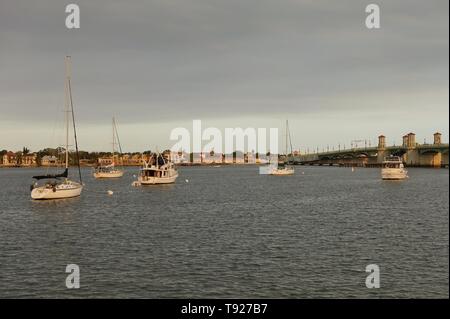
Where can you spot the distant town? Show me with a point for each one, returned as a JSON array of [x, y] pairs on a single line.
[[55, 157], [433, 154]]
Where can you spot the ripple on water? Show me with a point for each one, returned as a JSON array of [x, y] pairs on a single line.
[[230, 232]]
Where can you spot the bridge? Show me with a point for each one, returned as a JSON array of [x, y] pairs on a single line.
[[412, 153]]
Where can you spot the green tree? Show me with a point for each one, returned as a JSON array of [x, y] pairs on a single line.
[[38, 159], [19, 157]]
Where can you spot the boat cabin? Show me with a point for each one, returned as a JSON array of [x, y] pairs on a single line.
[[392, 165], [392, 162], [154, 172]]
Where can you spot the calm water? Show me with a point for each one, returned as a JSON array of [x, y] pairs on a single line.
[[229, 232]]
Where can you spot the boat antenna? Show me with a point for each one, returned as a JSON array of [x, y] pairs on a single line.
[[73, 120]]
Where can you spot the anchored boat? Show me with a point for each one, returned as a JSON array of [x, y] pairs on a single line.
[[282, 170], [110, 171], [285, 169], [158, 170], [393, 169], [59, 186]]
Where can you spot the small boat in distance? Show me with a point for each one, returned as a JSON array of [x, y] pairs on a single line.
[[110, 171], [158, 170], [393, 169], [59, 186], [284, 169]]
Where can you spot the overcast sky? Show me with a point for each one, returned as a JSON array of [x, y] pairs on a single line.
[[159, 64]]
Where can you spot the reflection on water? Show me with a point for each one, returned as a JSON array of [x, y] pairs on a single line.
[[229, 232]]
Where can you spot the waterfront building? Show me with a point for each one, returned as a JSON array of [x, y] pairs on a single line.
[[104, 161], [49, 160], [29, 160], [10, 159]]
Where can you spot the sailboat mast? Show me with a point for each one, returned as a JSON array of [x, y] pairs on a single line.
[[114, 139], [117, 138], [286, 140], [66, 96], [73, 122]]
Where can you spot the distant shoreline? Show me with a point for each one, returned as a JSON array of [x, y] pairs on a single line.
[[136, 165], [218, 165]]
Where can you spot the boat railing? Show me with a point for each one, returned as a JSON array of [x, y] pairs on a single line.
[[392, 159]]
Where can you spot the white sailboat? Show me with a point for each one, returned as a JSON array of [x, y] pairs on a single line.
[[110, 171], [162, 171], [59, 186], [285, 169]]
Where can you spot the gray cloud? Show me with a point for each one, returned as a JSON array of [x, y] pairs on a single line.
[[153, 61]]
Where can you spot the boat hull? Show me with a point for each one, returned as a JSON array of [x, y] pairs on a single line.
[[282, 172], [113, 174], [393, 174], [64, 190], [157, 180]]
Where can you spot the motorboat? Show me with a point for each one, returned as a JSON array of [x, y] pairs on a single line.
[[393, 169]]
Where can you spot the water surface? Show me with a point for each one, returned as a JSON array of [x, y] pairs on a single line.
[[230, 232]]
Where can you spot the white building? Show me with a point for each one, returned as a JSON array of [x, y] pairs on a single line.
[[48, 160]]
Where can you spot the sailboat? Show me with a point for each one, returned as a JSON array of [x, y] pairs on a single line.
[[284, 169], [59, 186], [110, 171]]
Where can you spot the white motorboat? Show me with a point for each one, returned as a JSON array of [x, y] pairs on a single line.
[[393, 169], [110, 171], [59, 186], [282, 170], [162, 171]]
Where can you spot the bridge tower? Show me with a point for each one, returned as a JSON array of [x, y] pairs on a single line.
[[411, 157], [405, 140], [411, 140], [437, 157], [381, 142], [437, 138], [381, 150]]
